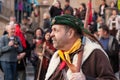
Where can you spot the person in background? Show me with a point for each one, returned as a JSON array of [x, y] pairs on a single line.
[[25, 54], [79, 54], [12, 20], [55, 9], [21, 66], [10, 46], [48, 45], [94, 15], [17, 30], [102, 7], [118, 37], [46, 21], [30, 28], [24, 21], [113, 4], [35, 15], [24, 26], [68, 9], [93, 28], [110, 45], [36, 49], [114, 22], [76, 12], [0, 6], [47, 54], [100, 21], [82, 9], [20, 11], [21, 63]]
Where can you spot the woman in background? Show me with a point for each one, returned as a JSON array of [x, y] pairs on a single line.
[[55, 9], [36, 48], [45, 56]]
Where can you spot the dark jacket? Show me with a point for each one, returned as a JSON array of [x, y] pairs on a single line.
[[103, 15], [68, 9], [54, 11], [82, 14], [113, 53], [46, 24]]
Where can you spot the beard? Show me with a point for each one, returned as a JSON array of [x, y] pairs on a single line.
[[59, 44], [55, 43]]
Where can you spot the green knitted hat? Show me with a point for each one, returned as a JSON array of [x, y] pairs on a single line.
[[69, 20]]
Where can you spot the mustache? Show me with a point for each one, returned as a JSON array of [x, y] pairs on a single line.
[[53, 39]]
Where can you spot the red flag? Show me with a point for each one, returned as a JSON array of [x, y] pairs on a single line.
[[88, 17], [90, 12]]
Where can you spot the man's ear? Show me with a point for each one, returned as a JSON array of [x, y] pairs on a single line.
[[105, 32], [71, 33]]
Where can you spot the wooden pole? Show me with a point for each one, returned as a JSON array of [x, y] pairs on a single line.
[[40, 65]]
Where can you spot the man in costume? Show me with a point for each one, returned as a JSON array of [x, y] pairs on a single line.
[[79, 55]]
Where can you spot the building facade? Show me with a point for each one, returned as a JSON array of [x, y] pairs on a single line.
[[74, 3]]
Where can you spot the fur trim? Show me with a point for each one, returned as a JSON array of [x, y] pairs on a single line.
[[55, 60]]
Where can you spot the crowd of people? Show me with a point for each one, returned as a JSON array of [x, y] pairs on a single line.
[[62, 48]]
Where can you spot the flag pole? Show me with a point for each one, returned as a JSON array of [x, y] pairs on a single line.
[[87, 15]]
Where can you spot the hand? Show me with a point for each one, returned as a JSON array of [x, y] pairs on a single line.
[[75, 68], [34, 41], [18, 57], [47, 48], [72, 67], [44, 45], [11, 43], [39, 54], [21, 56], [15, 46]]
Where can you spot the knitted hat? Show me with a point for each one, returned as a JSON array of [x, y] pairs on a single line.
[[69, 20]]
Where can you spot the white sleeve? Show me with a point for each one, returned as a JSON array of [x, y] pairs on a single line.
[[78, 76]]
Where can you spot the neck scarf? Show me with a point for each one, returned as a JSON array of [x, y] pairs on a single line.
[[65, 55]]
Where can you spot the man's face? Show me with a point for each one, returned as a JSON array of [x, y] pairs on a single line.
[[101, 32], [12, 19], [66, 3], [103, 2], [24, 21], [11, 30], [114, 12], [59, 36]]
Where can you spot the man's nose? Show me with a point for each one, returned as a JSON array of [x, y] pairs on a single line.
[[51, 34]]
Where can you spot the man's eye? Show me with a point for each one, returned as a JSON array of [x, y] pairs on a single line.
[[55, 30]]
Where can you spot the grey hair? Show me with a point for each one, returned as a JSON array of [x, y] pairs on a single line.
[[9, 26]]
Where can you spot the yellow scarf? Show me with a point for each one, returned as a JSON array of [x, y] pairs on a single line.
[[65, 55]]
